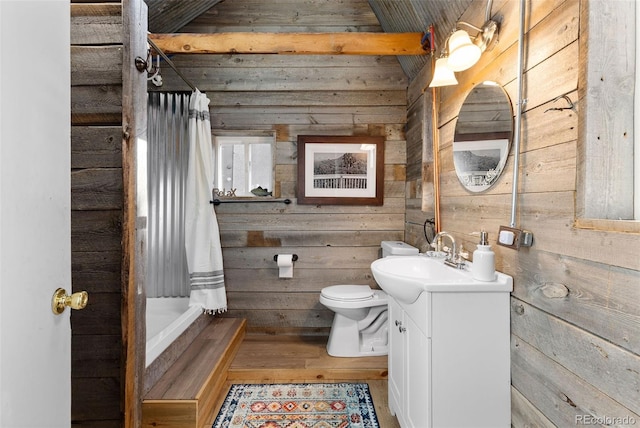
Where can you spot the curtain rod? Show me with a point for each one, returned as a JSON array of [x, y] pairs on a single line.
[[166, 58]]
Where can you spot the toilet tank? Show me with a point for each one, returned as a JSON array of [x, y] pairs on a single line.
[[397, 248]]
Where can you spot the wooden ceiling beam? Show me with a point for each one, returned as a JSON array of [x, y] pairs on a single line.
[[291, 43]]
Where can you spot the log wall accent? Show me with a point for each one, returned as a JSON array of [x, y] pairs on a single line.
[[134, 228], [293, 95], [576, 302], [97, 212]]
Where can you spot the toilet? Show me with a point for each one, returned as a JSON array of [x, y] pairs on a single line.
[[360, 325]]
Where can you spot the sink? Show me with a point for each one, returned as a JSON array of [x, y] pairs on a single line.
[[406, 277]]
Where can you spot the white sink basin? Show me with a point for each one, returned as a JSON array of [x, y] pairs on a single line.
[[406, 277]]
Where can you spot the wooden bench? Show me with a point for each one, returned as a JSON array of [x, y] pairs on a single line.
[[185, 396]]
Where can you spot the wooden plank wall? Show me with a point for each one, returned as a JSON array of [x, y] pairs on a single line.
[[576, 303], [290, 96], [420, 168], [96, 218]]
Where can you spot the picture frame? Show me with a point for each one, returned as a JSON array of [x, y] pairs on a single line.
[[340, 170]]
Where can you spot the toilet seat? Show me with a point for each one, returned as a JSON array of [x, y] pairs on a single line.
[[348, 293]]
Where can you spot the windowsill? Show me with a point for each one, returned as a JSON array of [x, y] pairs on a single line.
[[622, 226]]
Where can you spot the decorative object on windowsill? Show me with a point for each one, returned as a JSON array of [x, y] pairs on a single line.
[[229, 196], [224, 193], [461, 51], [259, 191]]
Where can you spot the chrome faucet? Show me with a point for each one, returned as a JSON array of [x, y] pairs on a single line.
[[453, 259]]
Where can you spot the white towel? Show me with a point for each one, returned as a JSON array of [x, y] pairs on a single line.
[[202, 236]]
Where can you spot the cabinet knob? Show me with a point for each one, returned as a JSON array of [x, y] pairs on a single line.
[[402, 329], [398, 323]]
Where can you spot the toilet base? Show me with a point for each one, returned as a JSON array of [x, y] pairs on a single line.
[[339, 352], [346, 339]]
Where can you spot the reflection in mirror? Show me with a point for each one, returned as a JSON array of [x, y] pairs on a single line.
[[483, 136]]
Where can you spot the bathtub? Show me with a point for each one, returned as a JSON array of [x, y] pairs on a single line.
[[167, 319]]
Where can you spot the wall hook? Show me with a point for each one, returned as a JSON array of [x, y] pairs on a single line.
[[141, 64], [567, 99]]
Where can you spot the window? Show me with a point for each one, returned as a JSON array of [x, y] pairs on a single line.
[[243, 164]]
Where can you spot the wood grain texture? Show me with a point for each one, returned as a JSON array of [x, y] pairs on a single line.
[[292, 95], [571, 347], [169, 17], [134, 222], [344, 43], [98, 23], [185, 394], [96, 146], [88, 65], [575, 303], [97, 216], [523, 414], [558, 393], [606, 167]]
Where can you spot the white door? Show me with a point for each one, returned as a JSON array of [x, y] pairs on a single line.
[[35, 344]]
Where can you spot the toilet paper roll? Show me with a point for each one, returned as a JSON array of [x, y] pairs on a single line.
[[285, 265]]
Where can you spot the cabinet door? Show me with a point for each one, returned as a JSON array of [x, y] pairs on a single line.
[[418, 384], [396, 357]]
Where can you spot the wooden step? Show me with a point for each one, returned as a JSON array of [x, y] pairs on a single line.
[[299, 359], [185, 396]]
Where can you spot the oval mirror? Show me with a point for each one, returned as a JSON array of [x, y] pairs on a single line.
[[483, 136]]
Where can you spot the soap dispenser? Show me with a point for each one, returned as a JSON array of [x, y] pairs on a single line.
[[484, 267]]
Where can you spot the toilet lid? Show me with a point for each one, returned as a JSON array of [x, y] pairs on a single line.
[[348, 292]]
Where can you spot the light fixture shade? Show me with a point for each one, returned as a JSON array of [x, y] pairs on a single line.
[[463, 54], [443, 75]]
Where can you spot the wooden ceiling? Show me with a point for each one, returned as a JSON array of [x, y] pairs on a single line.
[[394, 16], [169, 16]]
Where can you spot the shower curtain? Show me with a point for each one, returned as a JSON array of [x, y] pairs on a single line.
[[168, 155], [202, 236]]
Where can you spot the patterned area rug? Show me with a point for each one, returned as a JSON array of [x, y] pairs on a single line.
[[299, 405]]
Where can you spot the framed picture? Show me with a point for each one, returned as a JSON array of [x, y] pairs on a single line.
[[340, 170]]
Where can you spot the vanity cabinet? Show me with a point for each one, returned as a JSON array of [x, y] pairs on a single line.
[[408, 368], [449, 360]]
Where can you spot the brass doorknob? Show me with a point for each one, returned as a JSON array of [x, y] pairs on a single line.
[[61, 300]]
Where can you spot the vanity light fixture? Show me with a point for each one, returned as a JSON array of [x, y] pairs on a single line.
[[443, 75], [461, 51]]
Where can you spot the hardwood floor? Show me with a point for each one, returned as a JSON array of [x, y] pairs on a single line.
[[272, 359]]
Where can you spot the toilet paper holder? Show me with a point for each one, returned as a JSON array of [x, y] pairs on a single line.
[[294, 258]]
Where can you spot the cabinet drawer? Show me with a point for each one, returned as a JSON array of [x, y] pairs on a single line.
[[420, 312]]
